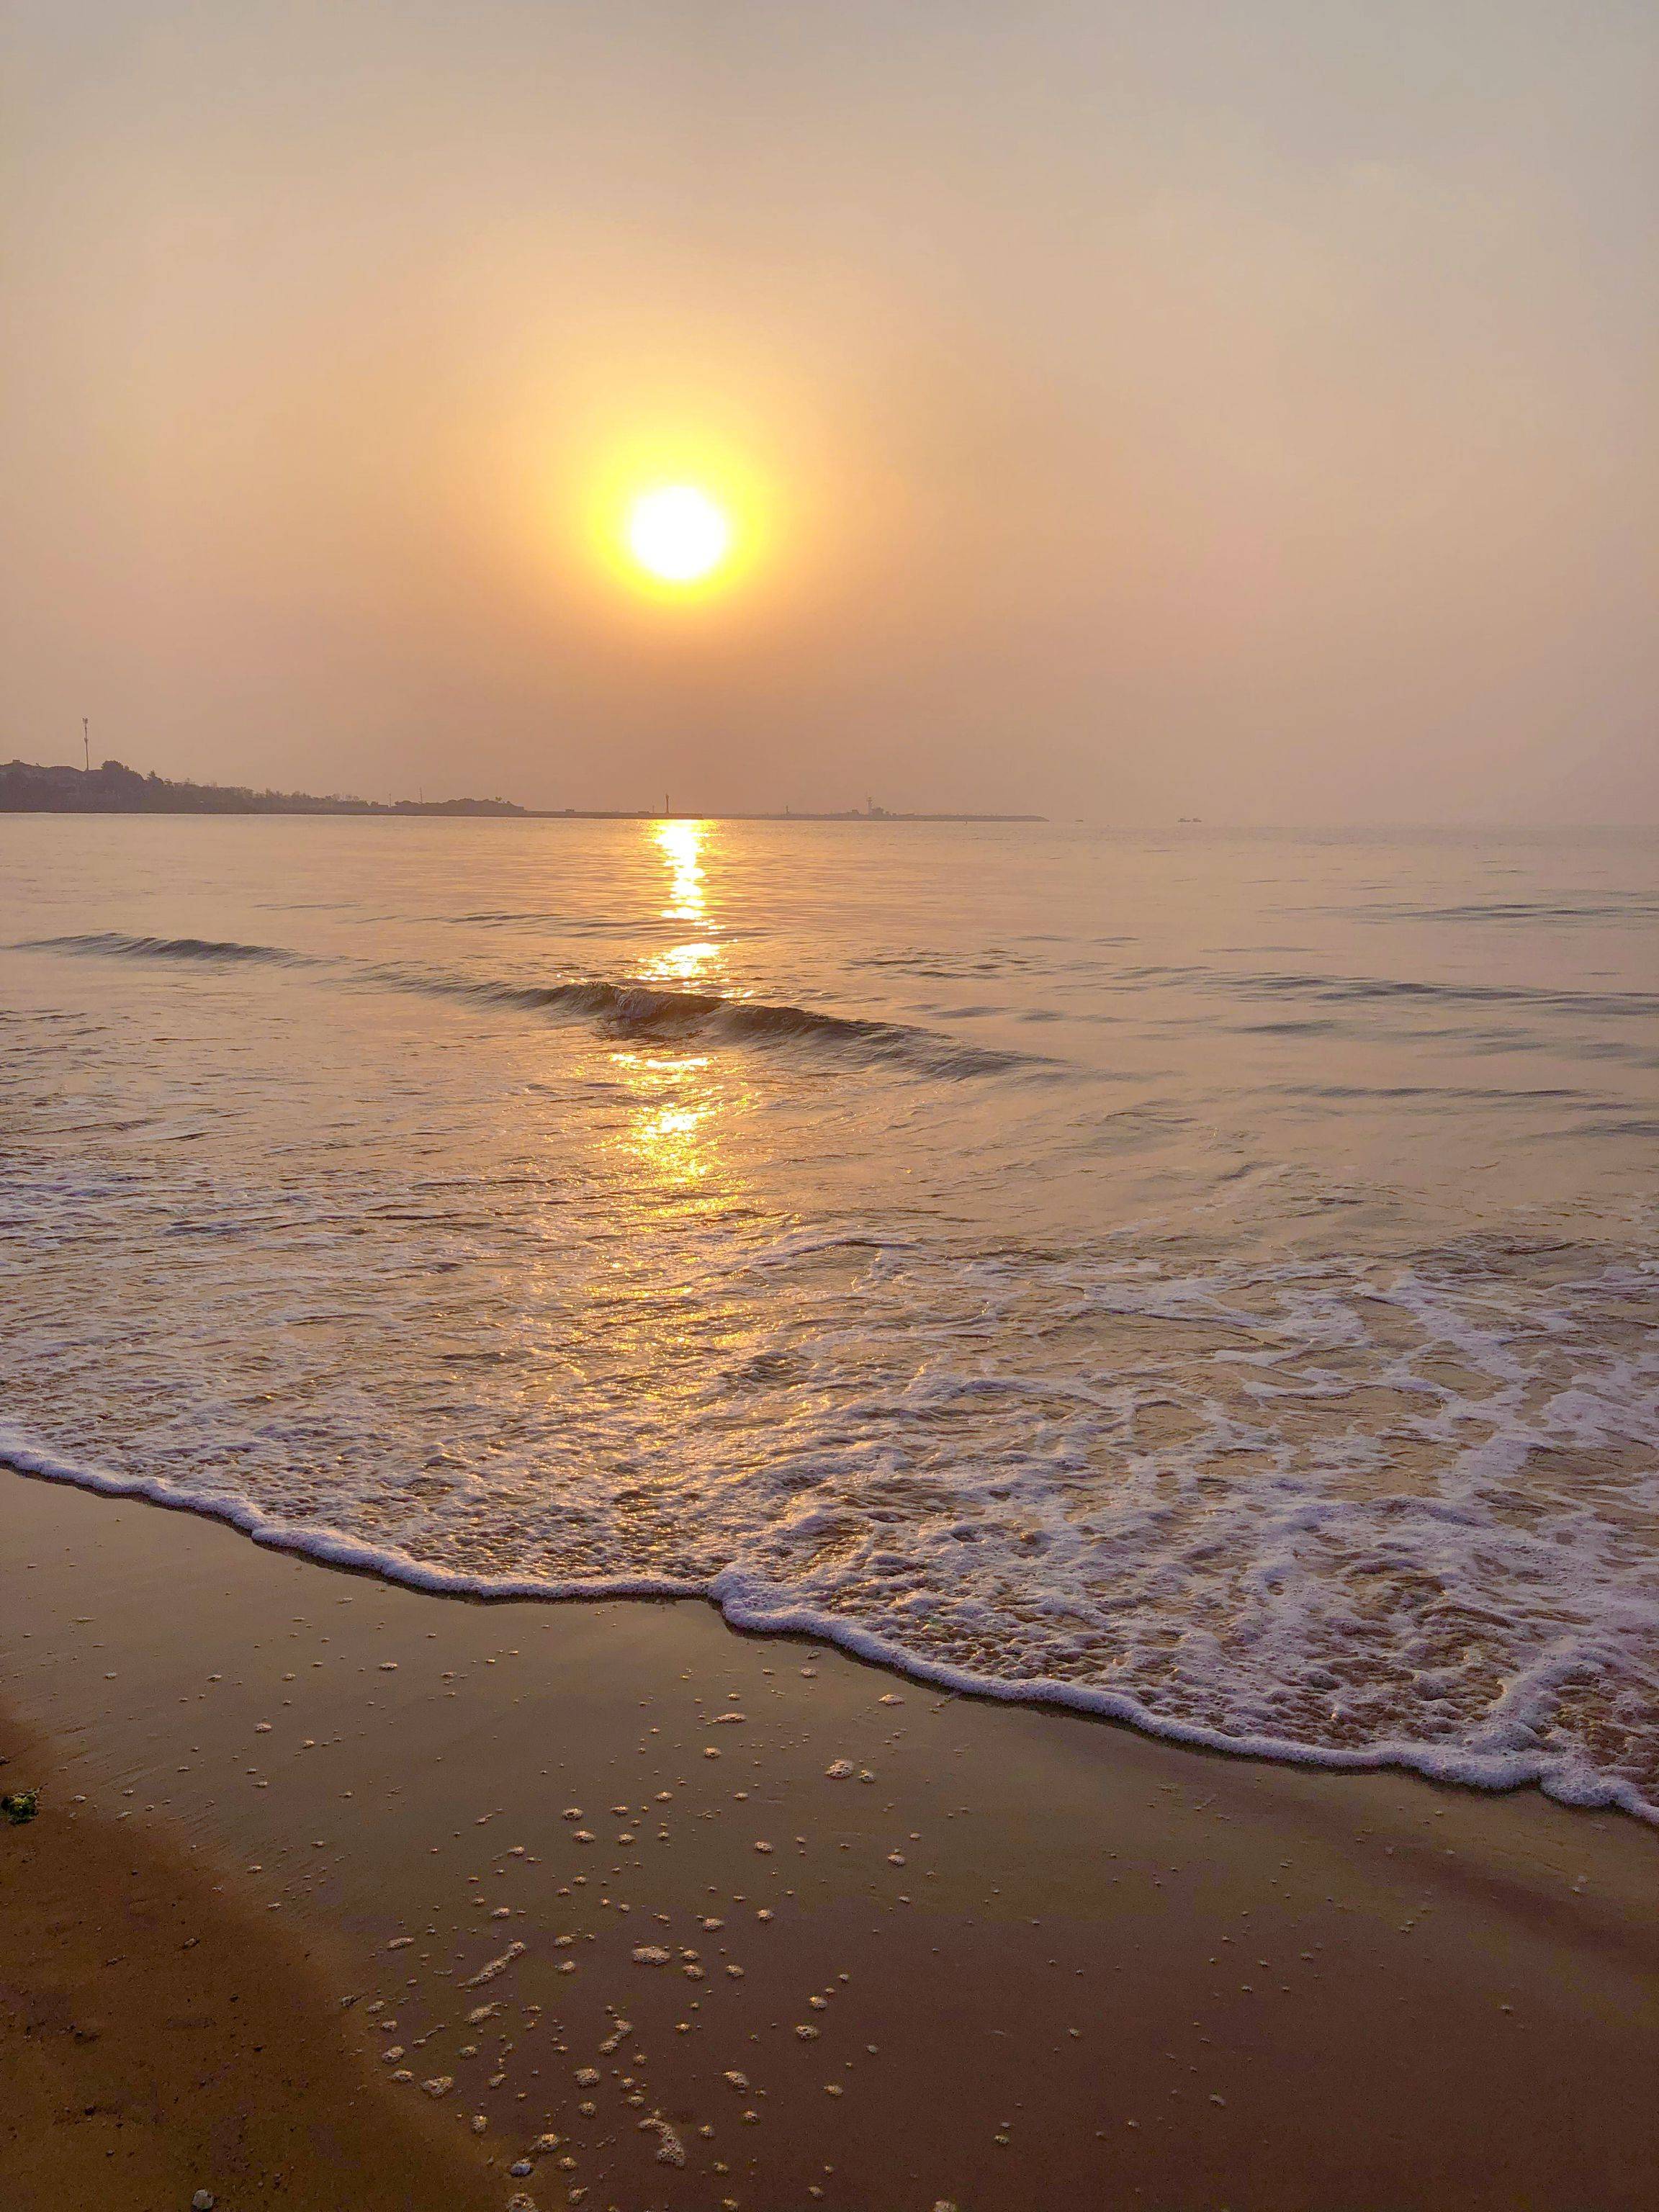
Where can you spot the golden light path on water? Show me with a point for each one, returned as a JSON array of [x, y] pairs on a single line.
[[677, 1090], [681, 844]]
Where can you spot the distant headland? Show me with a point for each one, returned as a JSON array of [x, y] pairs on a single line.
[[114, 788]]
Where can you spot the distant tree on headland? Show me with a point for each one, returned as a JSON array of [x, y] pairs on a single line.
[[114, 788]]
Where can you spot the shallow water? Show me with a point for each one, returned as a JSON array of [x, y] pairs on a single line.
[[1206, 1278]]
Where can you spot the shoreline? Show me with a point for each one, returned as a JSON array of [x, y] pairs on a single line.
[[1038, 1958], [1491, 1774]]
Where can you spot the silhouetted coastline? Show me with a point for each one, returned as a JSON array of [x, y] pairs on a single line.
[[114, 788], [26, 788]]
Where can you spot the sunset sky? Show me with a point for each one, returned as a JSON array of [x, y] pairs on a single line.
[[1193, 407]]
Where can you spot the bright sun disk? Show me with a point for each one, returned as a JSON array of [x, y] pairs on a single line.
[[677, 533]]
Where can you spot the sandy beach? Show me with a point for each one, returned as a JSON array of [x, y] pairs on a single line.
[[155, 2030], [742, 1922]]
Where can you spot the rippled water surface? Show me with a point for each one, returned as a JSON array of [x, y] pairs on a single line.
[[1208, 1279]]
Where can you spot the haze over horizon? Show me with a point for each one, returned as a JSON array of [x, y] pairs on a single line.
[[1238, 412]]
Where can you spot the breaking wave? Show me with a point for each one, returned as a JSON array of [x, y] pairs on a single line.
[[645, 1010], [624, 1008], [1349, 1515]]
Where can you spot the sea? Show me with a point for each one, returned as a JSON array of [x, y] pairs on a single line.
[[1205, 1279]]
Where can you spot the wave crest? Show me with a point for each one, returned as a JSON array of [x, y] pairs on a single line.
[[624, 1008], [116, 945]]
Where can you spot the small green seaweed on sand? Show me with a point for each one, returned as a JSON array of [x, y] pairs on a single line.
[[20, 1805]]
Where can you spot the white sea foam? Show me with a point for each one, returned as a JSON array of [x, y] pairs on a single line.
[[1360, 1515]]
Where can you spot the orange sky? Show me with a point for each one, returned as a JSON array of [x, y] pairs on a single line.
[[1243, 411]]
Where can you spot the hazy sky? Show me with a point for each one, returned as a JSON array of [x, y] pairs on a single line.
[[1192, 406]]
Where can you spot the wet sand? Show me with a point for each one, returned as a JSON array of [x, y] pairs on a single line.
[[156, 2035], [1011, 1959]]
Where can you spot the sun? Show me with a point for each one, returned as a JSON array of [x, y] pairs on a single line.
[[677, 534]]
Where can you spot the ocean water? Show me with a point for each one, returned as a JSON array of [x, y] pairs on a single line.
[[1204, 1279]]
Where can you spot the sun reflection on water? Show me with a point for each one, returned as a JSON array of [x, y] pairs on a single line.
[[672, 1118], [682, 963], [680, 845], [678, 1095]]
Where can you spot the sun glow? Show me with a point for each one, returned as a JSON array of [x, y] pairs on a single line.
[[683, 518], [677, 534]]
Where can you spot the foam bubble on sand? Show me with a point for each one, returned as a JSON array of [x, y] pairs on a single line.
[[670, 2151], [494, 1966]]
